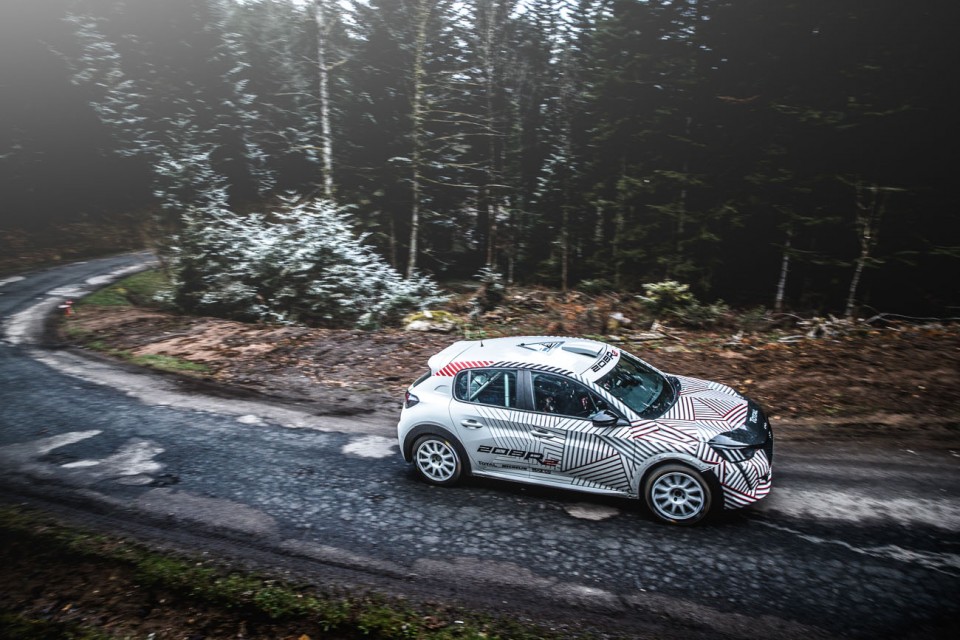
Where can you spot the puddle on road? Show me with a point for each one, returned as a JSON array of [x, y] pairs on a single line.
[[370, 447], [587, 511], [80, 464]]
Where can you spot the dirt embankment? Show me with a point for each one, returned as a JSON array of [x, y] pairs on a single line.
[[899, 384]]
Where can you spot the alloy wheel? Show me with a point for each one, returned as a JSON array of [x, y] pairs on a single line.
[[437, 460]]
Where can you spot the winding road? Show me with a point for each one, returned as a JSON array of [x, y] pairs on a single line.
[[851, 542]]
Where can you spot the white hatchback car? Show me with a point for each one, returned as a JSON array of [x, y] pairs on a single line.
[[584, 415]]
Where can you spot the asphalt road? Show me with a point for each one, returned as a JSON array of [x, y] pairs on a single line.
[[850, 542]]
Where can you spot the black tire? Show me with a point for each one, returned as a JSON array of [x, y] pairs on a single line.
[[438, 460], [678, 494]]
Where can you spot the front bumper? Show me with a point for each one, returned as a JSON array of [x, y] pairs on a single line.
[[745, 482]]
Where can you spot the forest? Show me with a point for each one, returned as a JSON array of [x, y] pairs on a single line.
[[795, 155]]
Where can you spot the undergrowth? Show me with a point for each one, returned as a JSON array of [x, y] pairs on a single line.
[[247, 595], [142, 289]]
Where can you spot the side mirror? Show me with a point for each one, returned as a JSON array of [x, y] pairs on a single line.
[[604, 418]]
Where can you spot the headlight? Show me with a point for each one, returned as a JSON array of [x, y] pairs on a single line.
[[733, 449], [734, 453]]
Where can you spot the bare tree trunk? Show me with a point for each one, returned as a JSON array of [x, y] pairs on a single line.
[[323, 82], [784, 272], [682, 213], [565, 250], [393, 243], [598, 225], [417, 116], [511, 241], [869, 215], [492, 17], [619, 222], [852, 295], [492, 236]]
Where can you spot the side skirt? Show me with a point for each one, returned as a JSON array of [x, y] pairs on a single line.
[[546, 481]]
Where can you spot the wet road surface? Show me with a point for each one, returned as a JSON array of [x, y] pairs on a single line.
[[850, 543]]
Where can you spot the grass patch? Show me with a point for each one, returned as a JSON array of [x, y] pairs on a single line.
[[143, 289], [171, 364], [32, 542]]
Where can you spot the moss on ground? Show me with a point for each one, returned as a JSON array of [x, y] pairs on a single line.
[[40, 553], [142, 289]]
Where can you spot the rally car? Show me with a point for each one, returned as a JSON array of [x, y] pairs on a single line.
[[584, 415]]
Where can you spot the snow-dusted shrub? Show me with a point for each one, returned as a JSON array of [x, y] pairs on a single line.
[[491, 291], [668, 295], [302, 263], [672, 299]]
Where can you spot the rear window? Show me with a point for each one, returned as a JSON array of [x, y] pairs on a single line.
[[422, 378], [496, 387]]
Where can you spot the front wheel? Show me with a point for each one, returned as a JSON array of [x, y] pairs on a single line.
[[678, 494], [437, 460]]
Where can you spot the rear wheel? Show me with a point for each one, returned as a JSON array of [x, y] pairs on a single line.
[[437, 460], [678, 494]]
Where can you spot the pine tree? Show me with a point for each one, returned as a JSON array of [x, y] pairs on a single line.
[[192, 123]]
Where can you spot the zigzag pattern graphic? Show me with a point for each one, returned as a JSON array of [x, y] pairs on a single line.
[[637, 451], [638, 430], [693, 386], [609, 458], [733, 498], [689, 386], [708, 454], [742, 482], [730, 412], [553, 448], [676, 434], [553, 421], [503, 427], [582, 450], [608, 473]]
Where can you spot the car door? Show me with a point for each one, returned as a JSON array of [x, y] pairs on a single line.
[[565, 409], [494, 432]]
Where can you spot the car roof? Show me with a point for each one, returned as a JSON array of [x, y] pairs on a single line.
[[589, 358]]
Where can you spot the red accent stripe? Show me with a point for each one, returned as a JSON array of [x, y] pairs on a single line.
[[454, 368]]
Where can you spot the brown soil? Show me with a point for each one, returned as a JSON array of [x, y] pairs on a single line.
[[899, 383]]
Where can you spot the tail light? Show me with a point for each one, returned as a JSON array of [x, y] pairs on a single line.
[[410, 400]]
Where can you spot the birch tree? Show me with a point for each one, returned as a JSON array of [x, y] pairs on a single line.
[[870, 205], [422, 13], [492, 31], [323, 24]]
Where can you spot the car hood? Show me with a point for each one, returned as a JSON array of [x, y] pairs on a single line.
[[710, 408]]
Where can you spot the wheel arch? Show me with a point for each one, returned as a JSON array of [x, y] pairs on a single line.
[[406, 448], [673, 457]]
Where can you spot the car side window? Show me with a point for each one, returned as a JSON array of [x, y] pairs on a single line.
[[497, 387], [556, 394]]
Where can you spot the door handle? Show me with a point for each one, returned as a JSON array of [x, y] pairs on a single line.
[[539, 433], [471, 424]]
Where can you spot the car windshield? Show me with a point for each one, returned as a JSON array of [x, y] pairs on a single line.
[[638, 386]]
